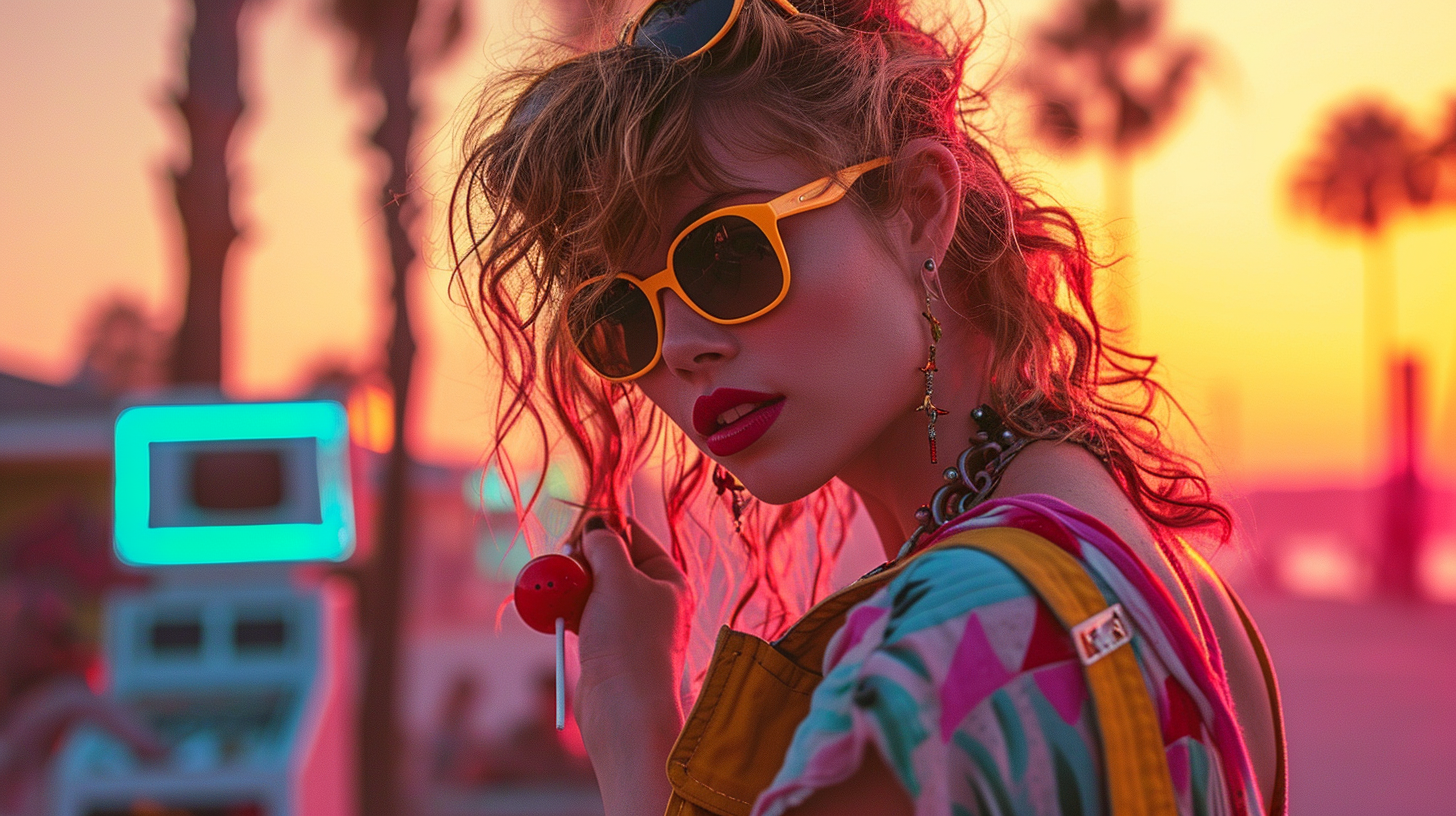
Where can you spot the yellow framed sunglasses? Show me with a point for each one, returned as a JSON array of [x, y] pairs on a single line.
[[686, 28], [729, 266]]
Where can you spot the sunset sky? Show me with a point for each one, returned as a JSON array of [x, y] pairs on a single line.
[[1256, 313]]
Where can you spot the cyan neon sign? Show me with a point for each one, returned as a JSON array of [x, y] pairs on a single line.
[[160, 521]]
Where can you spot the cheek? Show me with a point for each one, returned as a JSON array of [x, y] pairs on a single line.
[[659, 387], [860, 322], [870, 348]]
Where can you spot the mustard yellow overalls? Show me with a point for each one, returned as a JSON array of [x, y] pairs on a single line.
[[756, 693]]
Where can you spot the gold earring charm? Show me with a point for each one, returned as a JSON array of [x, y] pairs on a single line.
[[726, 482], [932, 413]]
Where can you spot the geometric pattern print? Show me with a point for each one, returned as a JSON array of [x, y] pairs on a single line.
[[966, 685]]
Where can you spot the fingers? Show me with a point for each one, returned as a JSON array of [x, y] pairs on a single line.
[[651, 557], [608, 553]]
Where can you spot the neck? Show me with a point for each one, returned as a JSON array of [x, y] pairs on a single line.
[[894, 476]]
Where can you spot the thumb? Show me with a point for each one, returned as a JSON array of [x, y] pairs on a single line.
[[605, 551]]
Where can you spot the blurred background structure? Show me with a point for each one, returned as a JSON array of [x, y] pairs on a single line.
[[189, 202]]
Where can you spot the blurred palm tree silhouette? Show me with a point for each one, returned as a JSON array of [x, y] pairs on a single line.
[[393, 40], [1106, 75], [1366, 169], [122, 349], [211, 104], [1444, 152]]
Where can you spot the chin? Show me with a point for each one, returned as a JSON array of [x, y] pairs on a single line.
[[773, 483], [775, 495]]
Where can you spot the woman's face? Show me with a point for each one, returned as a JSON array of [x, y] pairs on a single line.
[[825, 376]]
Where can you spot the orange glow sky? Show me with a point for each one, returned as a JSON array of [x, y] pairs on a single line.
[[1251, 309]]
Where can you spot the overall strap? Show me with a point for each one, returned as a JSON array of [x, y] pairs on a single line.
[[1138, 780], [1279, 799]]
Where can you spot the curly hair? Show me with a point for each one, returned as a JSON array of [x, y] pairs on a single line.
[[564, 168]]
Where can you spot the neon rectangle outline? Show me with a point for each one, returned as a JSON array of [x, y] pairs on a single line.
[[139, 544]]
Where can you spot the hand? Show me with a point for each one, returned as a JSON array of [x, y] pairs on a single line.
[[633, 640]]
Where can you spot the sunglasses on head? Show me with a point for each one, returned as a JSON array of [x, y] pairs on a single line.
[[729, 266], [686, 28]]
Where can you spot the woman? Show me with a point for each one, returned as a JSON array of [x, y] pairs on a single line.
[[767, 241]]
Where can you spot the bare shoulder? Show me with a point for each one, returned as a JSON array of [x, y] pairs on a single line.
[[1070, 473]]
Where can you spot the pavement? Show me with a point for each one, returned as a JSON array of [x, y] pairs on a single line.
[[1370, 703]]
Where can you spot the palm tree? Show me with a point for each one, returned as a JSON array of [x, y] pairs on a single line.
[[1366, 169], [210, 105], [1105, 75], [124, 350], [1444, 152], [389, 49]]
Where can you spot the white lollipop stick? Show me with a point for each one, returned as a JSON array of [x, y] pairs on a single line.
[[560, 673]]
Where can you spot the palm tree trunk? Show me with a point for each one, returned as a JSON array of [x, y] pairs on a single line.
[[1117, 304], [1379, 341], [381, 740], [1444, 451], [1404, 528], [211, 106]]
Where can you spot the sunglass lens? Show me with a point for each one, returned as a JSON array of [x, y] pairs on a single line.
[[728, 267], [617, 335], [681, 27]]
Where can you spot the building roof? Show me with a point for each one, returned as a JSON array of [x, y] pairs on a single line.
[[39, 421], [21, 396]]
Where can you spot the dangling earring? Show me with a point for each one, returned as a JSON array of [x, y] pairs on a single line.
[[726, 482], [931, 411]]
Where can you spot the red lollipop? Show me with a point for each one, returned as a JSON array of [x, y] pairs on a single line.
[[550, 587], [550, 595]]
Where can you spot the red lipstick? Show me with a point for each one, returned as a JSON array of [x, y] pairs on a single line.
[[749, 415]]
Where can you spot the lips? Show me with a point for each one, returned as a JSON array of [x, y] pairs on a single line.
[[749, 415]]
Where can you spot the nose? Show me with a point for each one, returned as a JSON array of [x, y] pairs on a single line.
[[691, 342]]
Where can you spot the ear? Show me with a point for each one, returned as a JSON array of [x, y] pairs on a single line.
[[930, 181]]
